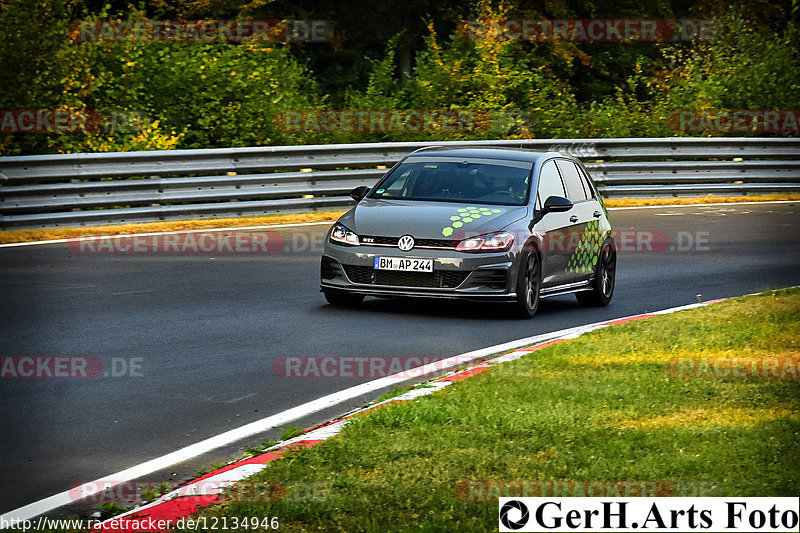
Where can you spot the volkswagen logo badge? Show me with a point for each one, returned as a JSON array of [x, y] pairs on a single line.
[[405, 243]]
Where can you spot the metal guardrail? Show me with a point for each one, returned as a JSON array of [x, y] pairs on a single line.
[[121, 187]]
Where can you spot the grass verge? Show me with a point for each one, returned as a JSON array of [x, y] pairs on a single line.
[[34, 235], [601, 407], [699, 200]]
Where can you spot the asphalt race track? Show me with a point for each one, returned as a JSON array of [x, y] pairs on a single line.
[[202, 332]]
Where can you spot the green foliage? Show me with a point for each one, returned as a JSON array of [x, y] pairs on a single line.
[[746, 68], [109, 509], [253, 451], [393, 393], [291, 431], [200, 95], [219, 95], [189, 95]]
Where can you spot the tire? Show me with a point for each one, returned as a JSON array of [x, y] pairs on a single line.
[[342, 298], [529, 283], [604, 277]]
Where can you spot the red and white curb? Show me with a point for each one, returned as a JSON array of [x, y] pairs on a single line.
[[189, 498]]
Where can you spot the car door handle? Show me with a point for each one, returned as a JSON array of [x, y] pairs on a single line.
[[597, 214], [573, 218]]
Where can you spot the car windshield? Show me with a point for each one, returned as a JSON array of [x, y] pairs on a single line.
[[485, 182]]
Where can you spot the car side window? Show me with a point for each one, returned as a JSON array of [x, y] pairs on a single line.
[[550, 183], [575, 186], [586, 182]]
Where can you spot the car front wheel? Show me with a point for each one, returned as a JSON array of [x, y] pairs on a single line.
[[529, 281]]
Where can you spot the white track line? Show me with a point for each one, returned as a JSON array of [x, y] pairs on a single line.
[[300, 224], [290, 415]]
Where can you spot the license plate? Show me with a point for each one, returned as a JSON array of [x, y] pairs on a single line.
[[404, 263]]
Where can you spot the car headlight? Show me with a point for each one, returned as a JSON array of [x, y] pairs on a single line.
[[492, 242], [342, 235]]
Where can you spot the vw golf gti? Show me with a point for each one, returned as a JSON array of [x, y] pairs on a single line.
[[495, 224]]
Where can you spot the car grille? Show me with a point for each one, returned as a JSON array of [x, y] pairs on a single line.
[[392, 241], [442, 279]]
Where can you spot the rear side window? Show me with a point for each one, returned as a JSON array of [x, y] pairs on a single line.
[[586, 182], [549, 183], [576, 190]]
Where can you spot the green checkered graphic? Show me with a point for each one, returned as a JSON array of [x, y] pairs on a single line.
[[466, 215], [584, 258]]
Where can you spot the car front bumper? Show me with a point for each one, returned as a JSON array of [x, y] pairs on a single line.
[[460, 275]]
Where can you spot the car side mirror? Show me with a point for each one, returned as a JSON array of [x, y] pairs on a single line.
[[553, 204], [556, 204], [359, 193]]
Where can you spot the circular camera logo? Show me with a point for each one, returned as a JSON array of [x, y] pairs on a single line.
[[522, 509]]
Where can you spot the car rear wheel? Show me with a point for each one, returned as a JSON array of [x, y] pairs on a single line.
[[529, 282], [342, 298], [604, 276]]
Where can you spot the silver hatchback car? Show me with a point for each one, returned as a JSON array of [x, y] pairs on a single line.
[[476, 223]]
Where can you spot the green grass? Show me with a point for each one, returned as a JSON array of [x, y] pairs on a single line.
[[253, 451], [601, 407], [395, 392], [290, 432]]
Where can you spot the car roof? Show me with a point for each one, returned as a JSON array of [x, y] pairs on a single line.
[[513, 154]]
